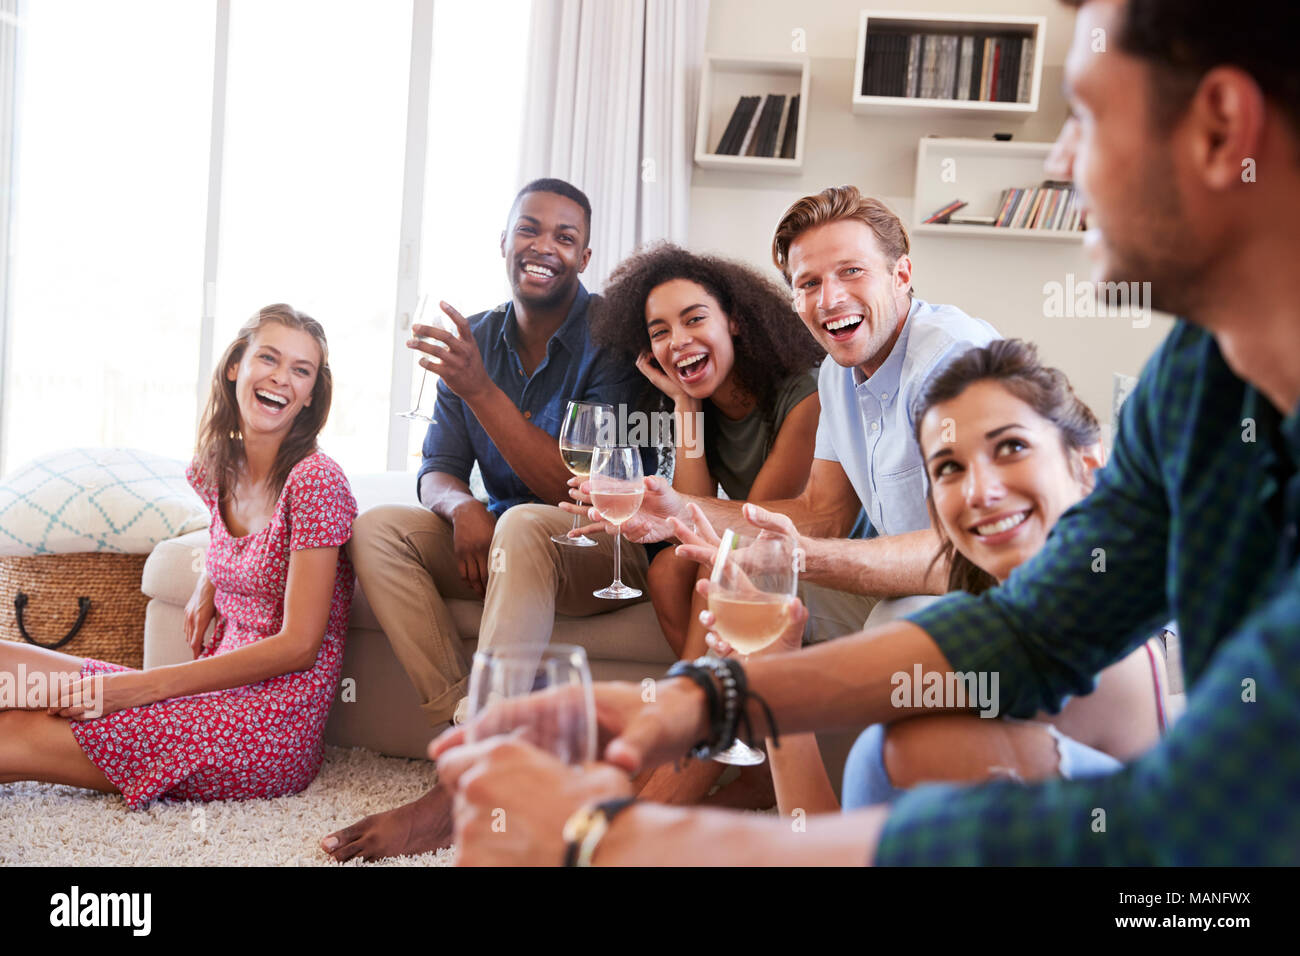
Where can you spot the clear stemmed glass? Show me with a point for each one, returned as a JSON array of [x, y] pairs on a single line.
[[617, 487], [545, 697], [754, 576], [583, 422], [417, 414]]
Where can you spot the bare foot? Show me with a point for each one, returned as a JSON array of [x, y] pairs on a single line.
[[422, 825]]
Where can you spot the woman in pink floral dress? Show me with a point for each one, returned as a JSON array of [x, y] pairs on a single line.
[[246, 717]]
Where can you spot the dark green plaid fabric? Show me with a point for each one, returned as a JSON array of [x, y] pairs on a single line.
[[1196, 518]]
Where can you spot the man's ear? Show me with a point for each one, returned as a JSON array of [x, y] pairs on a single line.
[[1229, 114], [903, 274], [586, 257], [503, 243]]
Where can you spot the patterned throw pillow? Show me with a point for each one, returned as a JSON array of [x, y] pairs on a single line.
[[117, 500]]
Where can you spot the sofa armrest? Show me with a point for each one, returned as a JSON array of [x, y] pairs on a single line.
[[173, 567]]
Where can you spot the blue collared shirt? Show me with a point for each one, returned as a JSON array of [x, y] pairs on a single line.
[[866, 423], [573, 370]]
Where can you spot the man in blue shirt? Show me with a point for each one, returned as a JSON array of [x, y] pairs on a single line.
[[505, 379]]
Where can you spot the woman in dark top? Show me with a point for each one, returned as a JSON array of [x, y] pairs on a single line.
[[720, 344]]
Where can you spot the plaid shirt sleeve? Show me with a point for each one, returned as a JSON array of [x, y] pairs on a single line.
[[1219, 789]]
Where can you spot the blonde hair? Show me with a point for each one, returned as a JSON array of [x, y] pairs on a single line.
[[832, 205], [220, 448]]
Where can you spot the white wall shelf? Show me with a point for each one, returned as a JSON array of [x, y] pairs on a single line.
[[977, 171], [725, 80], [906, 22]]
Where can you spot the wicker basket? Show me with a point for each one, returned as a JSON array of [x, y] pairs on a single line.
[[86, 605]]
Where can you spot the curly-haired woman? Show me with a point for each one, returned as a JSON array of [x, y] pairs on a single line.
[[720, 343], [246, 717]]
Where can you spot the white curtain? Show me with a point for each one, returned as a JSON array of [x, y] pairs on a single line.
[[612, 97]]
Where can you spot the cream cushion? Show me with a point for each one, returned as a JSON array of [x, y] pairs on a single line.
[[78, 500]]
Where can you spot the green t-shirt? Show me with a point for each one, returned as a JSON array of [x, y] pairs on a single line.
[[736, 450]]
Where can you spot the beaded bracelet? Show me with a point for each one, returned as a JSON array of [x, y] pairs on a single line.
[[727, 710]]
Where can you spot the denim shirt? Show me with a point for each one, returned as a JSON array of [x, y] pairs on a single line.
[[573, 370]]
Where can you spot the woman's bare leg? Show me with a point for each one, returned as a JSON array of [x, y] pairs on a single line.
[[28, 660], [36, 746], [963, 748]]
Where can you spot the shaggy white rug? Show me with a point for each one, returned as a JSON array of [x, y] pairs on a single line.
[[48, 825]]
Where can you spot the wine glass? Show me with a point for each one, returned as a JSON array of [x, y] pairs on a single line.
[[617, 487], [546, 698], [582, 426], [417, 414], [754, 576]]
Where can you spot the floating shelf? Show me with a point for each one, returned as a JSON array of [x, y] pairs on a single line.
[[725, 80], [978, 170], [888, 21]]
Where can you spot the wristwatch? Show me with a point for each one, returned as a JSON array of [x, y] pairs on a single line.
[[584, 830]]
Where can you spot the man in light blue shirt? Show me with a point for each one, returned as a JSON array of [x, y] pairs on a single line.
[[846, 259], [866, 423]]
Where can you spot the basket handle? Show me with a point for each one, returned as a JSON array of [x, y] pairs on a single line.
[[20, 602]]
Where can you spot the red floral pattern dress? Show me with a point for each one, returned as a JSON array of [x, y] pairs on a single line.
[[262, 740]]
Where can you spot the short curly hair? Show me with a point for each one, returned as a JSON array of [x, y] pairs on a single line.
[[771, 343]]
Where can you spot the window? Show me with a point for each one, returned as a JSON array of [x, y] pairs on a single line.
[[113, 133], [312, 191], [110, 173]]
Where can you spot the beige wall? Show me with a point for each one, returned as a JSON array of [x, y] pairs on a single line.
[[1000, 280]]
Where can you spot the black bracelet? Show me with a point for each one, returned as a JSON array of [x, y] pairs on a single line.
[[737, 679], [704, 679], [733, 700]]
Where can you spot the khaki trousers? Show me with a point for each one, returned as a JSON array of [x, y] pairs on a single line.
[[405, 562]]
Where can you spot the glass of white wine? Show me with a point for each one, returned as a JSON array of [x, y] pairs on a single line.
[[582, 426], [543, 695], [617, 487], [754, 576]]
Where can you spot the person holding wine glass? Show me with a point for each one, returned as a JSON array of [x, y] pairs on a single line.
[[505, 381], [1045, 460], [716, 344]]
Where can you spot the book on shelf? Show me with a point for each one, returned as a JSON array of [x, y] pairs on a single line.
[[729, 145], [943, 213], [988, 67], [790, 138], [1050, 206], [761, 126], [748, 139], [913, 65]]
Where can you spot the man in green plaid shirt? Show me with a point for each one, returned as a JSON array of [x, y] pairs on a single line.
[[1184, 140]]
